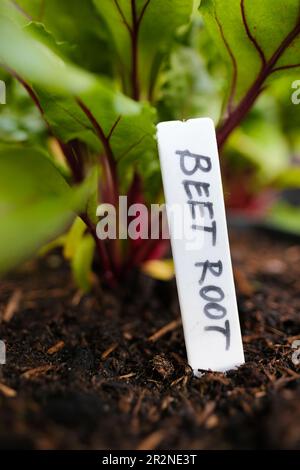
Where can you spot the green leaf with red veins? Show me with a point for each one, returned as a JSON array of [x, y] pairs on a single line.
[[60, 87], [142, 32], [260, 41]]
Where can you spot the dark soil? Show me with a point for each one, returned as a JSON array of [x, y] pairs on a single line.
[[82, 373]]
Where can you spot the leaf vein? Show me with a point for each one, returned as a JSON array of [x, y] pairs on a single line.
[[122, 16], [143, 11], [233, 59], [250, 35]]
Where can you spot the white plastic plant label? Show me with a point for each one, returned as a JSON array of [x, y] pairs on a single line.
[[197, 224]]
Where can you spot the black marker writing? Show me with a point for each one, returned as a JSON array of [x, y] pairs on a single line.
[[201, 162], [210, 229], [212, 295], [215, 269], [225, 331], [198, 185], [201, 206]]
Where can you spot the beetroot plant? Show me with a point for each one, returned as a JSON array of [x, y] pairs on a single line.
[[101, 74]]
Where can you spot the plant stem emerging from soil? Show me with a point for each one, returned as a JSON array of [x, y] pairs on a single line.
[[111, 188]]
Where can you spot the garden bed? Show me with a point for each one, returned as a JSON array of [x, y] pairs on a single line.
[[108, 370]]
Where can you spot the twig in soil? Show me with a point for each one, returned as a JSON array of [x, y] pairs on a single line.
[[77, 298], [127, 335], [109, 350], [127, 330], [181, 362], [166, 402], [183, 379], [248, 410], [289, 371], [285, 380], [290, 339], [218, 377], [208, 410], [56, 347], [41, 294], [12, 305], [274, 330], [136, 410], [32, 373], [126, 376], [178, 359], [250, 338], [260, 394], [164, 330], [152, 441], [138, 404], [212, 422], [7, 391], [156, 382], [271, 377]]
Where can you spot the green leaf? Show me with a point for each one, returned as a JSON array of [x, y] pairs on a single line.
[[258, 39], [13, 11], [27, 174], [82, 263], [31, 9], [20, 121], [284, 217], [35, 62], [73, 238], [27, 53], [132, 138], [36, 204], [187, 90], [142, 32], [262, 144], [163, 270], [56, 243], [288, 178], [59, 85], [134, 146], [80, 31]]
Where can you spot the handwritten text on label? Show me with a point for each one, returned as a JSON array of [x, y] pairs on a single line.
[[191, 177]]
